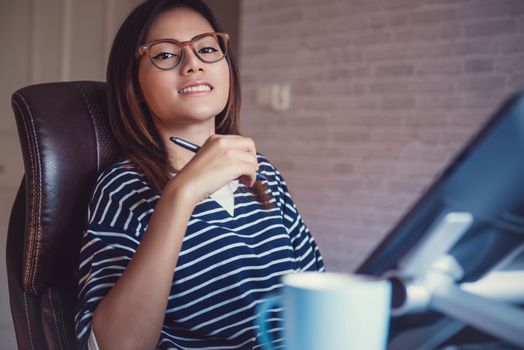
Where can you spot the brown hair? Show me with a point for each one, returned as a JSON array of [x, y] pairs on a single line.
[[129, 117]]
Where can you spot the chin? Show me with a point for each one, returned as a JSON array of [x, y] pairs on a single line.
[[200, 115], [203, 111]]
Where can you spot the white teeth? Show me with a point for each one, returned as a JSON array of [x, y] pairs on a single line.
[[194, 89]]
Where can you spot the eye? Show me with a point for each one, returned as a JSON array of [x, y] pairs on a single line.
[[164, 56], [208, 49]]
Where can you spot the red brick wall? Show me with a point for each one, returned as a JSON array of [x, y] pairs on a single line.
[[383, 94]]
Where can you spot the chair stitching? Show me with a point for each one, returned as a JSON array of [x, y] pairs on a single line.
[[89, 109], [28, 322], [66, 332], [33, 244], [32, 173], [62, 323], [37, 220], [55, 319]]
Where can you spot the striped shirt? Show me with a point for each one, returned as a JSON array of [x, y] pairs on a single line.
[[228, 264]]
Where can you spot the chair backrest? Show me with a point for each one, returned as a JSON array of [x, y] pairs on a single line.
[[66, 141]]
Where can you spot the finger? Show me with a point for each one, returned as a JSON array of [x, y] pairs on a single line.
[[246, 144], [234, 141], [248, 159], [248, 181], [216, 137], [249, 145]]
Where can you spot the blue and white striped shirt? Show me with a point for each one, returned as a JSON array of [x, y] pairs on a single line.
[[227, 265]]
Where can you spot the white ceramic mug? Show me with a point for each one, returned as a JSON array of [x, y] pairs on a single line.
[[330, 311]]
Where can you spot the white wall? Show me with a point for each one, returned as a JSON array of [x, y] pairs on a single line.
[[44, 41]]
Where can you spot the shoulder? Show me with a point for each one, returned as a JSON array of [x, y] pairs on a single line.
[[265, 166], [120, 190], [120, 177], [122, 167], [275, 180]]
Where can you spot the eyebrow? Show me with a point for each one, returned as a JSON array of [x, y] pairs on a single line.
[[164, 38]]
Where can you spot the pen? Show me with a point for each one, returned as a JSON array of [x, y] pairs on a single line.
[[194, 148]]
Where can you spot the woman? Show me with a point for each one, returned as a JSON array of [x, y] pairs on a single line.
[[178, 252]]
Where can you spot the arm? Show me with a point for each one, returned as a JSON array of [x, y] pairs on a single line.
[[306, 251], [131, 314]]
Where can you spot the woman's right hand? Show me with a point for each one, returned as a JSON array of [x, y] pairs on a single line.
[[221, 159]]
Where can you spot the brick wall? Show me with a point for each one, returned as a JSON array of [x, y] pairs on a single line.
[[383, 94]]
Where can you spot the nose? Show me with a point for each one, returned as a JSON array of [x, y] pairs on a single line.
[[191, 63]]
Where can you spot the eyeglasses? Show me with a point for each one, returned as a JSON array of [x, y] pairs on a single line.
[[168, 54]]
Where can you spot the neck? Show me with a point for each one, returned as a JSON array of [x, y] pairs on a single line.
[[197, 134]]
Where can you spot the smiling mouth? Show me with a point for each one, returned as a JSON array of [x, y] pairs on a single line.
[[195, 88]]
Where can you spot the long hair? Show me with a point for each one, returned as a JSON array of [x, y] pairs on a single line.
[[129, 116]]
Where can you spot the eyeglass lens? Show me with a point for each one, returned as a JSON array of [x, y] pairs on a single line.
[[167, 55]]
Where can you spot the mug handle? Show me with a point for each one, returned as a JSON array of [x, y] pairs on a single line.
[[263, 314]]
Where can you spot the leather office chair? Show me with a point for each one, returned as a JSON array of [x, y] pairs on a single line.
[[66, 141]]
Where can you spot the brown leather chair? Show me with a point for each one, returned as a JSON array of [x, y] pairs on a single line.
[[66, 142]]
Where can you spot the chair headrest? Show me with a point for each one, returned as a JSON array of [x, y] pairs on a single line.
[[66, 141]]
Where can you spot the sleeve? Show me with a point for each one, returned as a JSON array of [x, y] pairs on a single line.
[[118, 213], [306, 252], [91, 342]]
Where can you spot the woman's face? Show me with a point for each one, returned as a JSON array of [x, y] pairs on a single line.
[[166, 92]]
